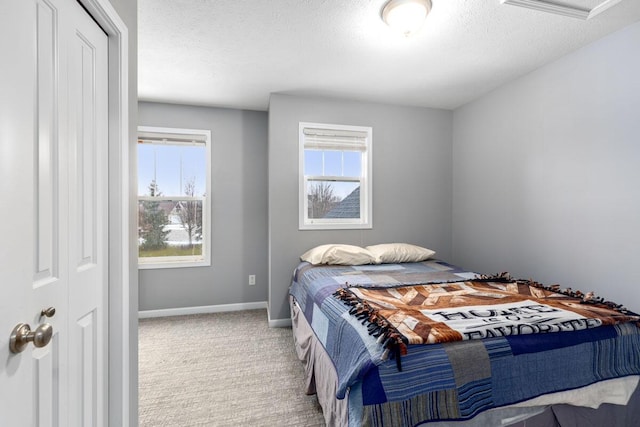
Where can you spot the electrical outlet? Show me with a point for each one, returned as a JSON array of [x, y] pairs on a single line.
[[252, 279]]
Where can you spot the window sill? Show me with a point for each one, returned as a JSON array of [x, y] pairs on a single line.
[[305, 227], [172, 264]]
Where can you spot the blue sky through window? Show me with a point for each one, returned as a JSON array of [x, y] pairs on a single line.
[[336, 163], [173, 166]]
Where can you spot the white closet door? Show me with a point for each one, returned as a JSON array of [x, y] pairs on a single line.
[[53, 226]]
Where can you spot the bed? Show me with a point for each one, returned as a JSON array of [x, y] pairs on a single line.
[[578, 370]]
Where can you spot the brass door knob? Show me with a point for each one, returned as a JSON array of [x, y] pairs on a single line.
[[22, 335]]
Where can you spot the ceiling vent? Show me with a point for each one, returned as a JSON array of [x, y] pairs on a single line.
[[582, 9]]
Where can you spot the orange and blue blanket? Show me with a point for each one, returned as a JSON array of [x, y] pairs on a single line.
[[490, 342], [476, 309]]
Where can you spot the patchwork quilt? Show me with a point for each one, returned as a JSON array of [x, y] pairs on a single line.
[[464, 346]]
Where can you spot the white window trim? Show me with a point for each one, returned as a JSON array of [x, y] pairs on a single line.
[[182, 262], [366, 186]]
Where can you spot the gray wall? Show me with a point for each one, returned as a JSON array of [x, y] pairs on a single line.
[[411, 181], [239, 211], [547, 173]]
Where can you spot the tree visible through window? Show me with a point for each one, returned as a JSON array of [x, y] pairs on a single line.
[[322, 199], [173, 180], [152, 223]]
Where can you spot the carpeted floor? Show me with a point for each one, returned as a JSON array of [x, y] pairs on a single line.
[[222, 369]]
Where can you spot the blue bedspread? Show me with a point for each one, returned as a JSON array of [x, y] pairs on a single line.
[[453, 380]]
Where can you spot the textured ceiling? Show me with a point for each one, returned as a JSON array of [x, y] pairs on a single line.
[[234, 53]]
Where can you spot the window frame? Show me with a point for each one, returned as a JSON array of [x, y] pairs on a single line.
[[204, 260], [366, 188]]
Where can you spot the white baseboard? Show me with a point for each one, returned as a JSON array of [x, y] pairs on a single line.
[[145, 314], [279, 323]]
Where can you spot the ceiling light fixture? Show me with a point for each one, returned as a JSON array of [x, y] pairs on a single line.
[[406, 16]]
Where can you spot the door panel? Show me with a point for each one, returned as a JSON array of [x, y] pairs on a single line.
[[50, 277], [88, 144], [53, 175], [85, 330], [46, 191], [17, 133], [86, 148], [47, 386]]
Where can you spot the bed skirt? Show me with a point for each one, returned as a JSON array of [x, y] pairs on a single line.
[[321, 379]]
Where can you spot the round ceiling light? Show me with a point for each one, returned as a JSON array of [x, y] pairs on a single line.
[[406, 16]]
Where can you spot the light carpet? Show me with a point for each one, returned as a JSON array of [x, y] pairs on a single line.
[[221, 369]]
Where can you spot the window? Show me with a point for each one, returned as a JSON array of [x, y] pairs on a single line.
[[335, 176], [173, 197]]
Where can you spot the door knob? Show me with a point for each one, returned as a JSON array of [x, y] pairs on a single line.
[[48, 312], [23, 335]]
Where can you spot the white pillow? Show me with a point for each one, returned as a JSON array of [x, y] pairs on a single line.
[[391, 253], [336, 254]]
